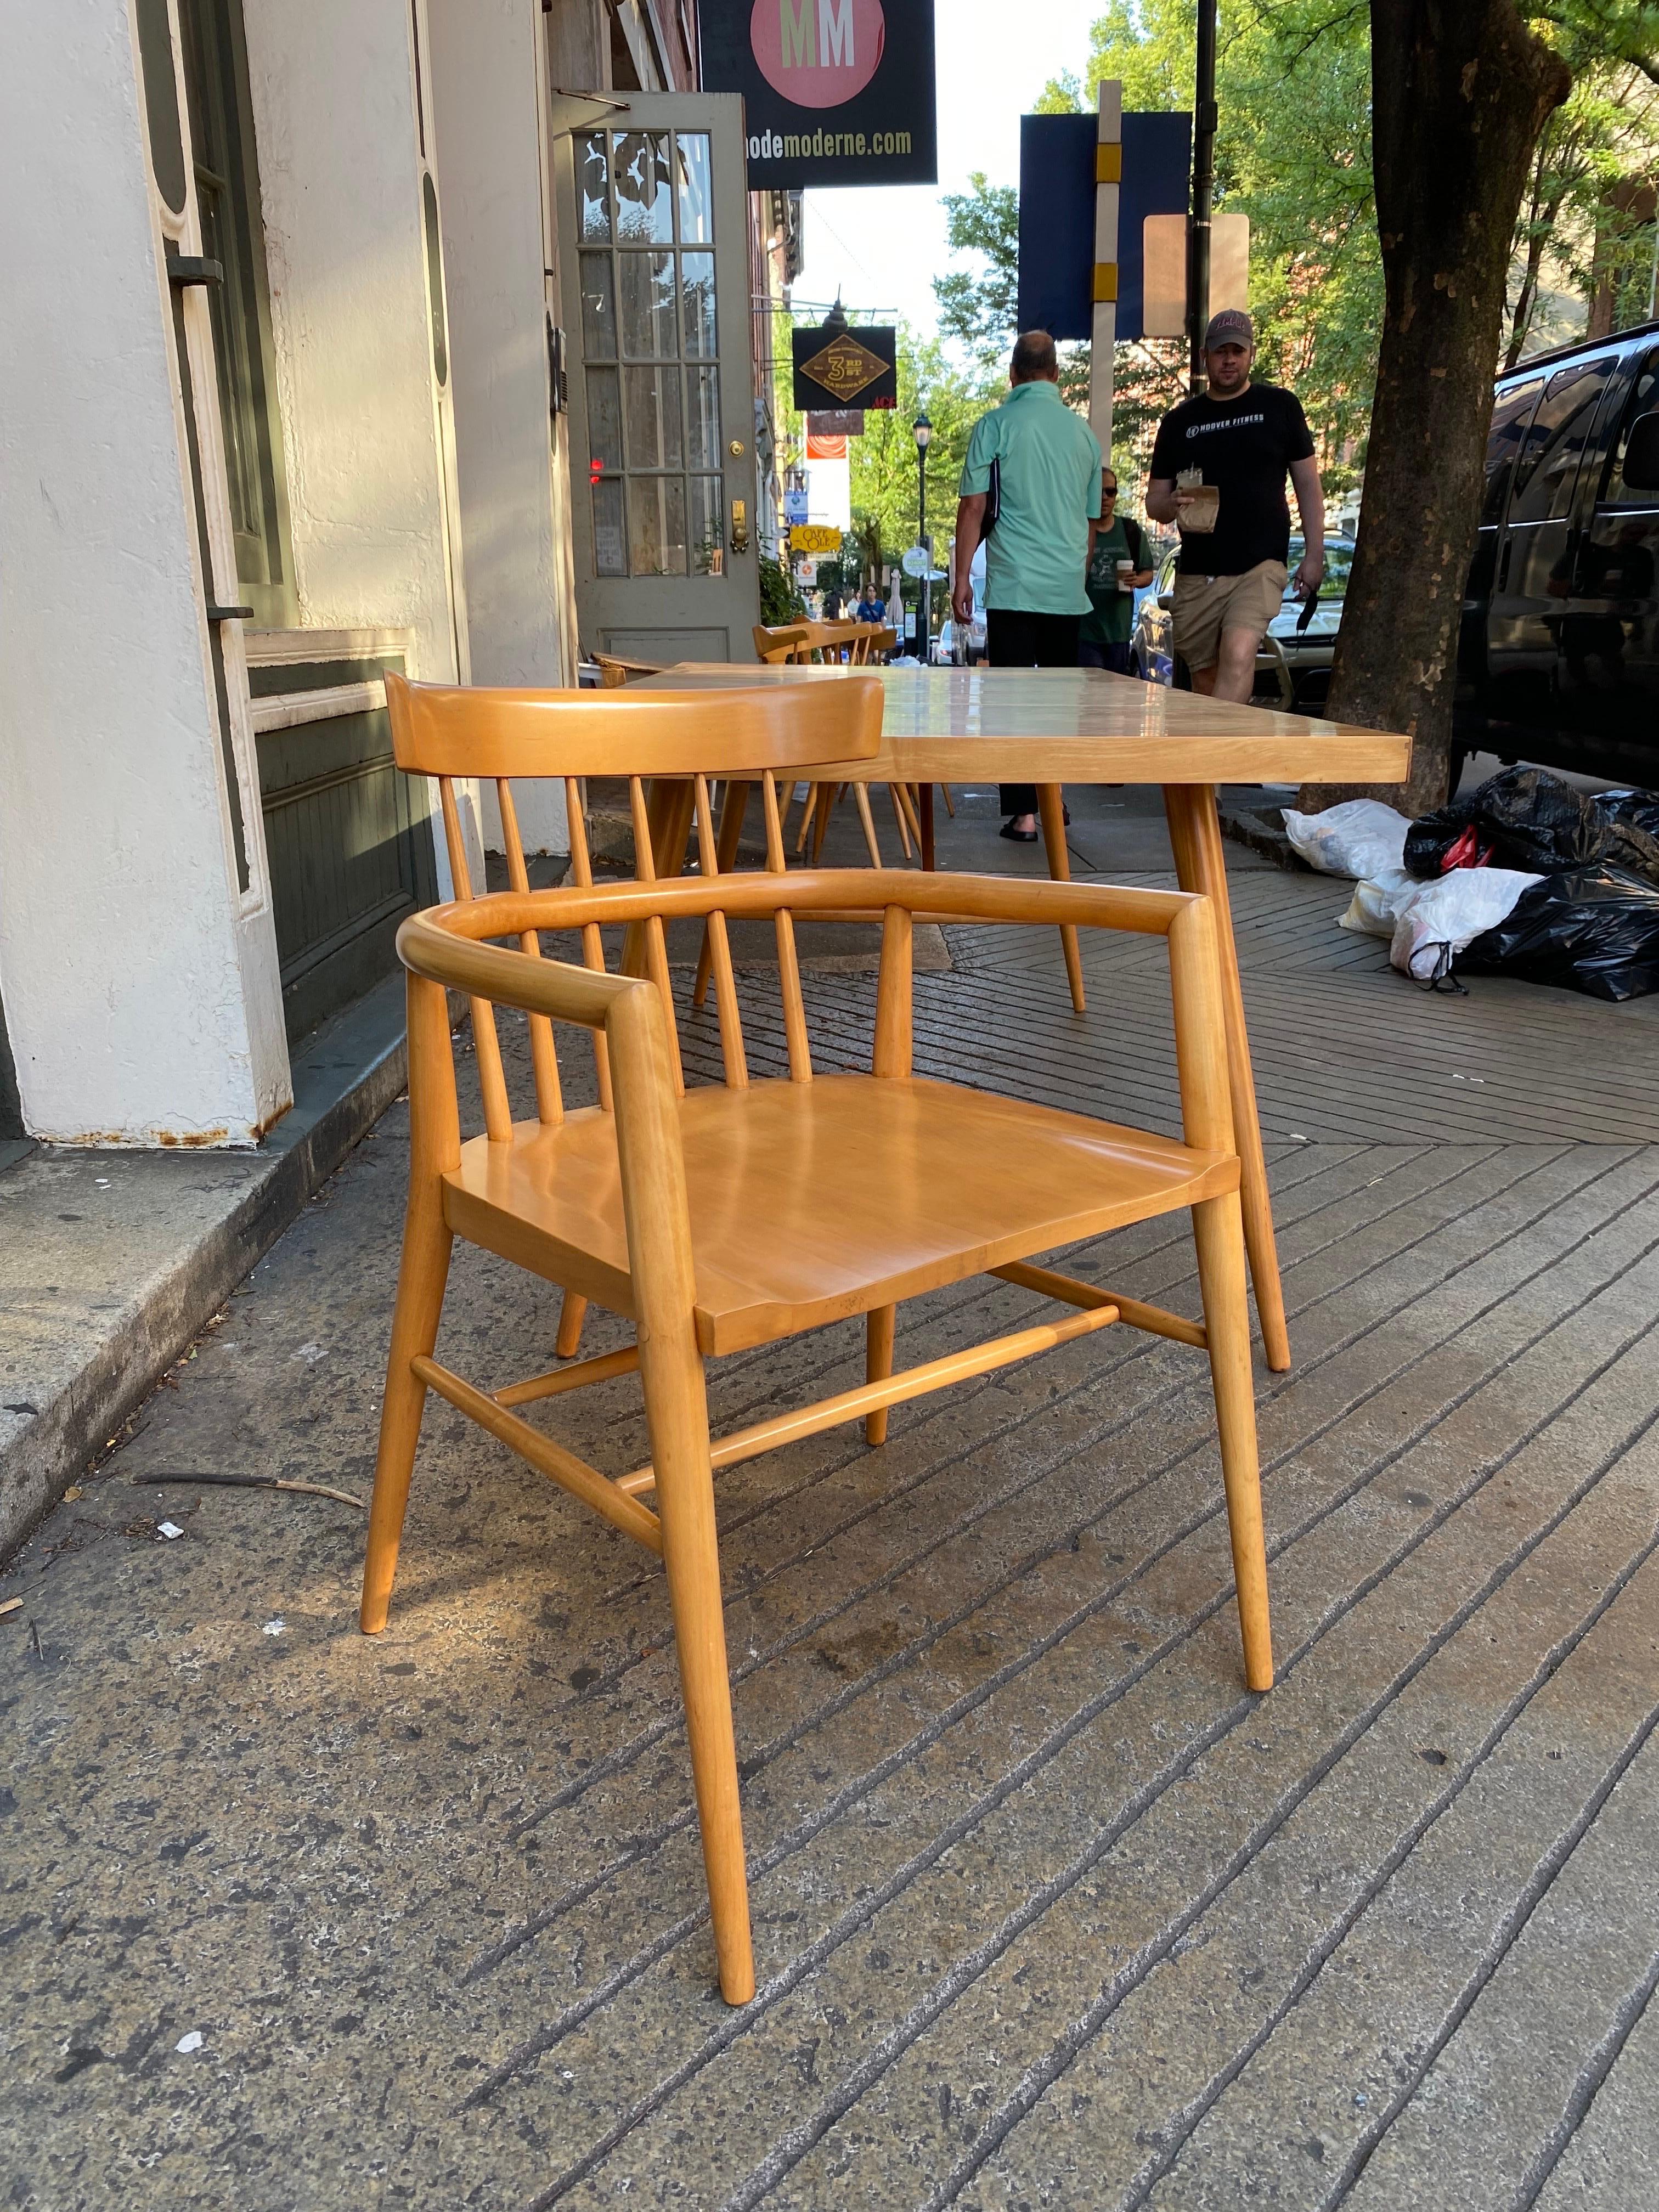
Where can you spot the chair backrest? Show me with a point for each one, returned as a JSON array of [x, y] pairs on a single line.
[[454, 731], [786, 642]]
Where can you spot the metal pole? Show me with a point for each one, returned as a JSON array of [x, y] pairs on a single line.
[[1198, 243], [923, 538]]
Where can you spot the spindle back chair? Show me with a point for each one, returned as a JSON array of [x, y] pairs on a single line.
[[456, 733], [729, 1215], [844, 644]]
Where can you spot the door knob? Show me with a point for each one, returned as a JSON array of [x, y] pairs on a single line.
[[739, 525]]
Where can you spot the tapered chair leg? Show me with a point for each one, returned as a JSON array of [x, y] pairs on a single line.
[[878, 1364], [421, 1281], [572, 1314], [1218, 1232], [691, 1557]]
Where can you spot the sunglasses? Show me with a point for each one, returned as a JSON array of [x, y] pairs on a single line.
[[1108, 491]]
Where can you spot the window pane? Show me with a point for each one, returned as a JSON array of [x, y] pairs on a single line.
[[656, 506], [707, 527], [653, 419], [605, 444], [590, 186], [645, 197], [697, 280], [1645, 395], [696, 204], [609, 552], [1509, 419], [599, 308], [702, 418], [1548, 470], [647, 306]]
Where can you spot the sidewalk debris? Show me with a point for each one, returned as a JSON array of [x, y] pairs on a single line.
[[259, 1482]]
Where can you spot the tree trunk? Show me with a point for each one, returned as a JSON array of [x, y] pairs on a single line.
[[1461, 90]]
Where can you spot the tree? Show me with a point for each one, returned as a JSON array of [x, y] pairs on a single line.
[[1460, 91], [977, 307]]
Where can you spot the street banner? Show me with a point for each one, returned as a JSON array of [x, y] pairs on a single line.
[[841, 367], [814, 538], [795, 507], [1058, 157], [836, 422], [825, 449], [835, 92]]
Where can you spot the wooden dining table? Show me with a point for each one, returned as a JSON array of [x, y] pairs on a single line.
[[1051, 726]]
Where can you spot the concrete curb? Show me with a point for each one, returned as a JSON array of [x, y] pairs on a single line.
[[1249, 821], [344, 1080]]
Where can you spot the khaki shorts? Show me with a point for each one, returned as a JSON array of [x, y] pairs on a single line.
[[1206, 606]]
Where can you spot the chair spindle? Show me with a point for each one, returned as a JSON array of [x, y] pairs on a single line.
[[486, 1044], [794, 1011], [581, 868], [656, 942], [543, 1056], [726, 987]]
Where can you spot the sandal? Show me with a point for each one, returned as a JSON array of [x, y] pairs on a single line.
[[1017, 836]]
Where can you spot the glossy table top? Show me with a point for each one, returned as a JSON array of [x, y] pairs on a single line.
[[1077, 726]]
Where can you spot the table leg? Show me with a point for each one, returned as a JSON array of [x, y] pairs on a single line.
[[1201, 865], [927, 826], [1052, 808]]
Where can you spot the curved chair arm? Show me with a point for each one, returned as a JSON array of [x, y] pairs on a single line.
[[554, 988]]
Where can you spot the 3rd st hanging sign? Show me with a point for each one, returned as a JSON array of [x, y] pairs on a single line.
[[835, 92], [838, 366]]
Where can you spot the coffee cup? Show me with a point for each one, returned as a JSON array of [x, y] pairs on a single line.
[[1126, 575]]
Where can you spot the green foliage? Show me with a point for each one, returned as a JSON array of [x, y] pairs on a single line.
[[977, 307], [779, 600]]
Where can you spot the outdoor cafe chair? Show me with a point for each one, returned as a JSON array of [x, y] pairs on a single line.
[[843, 644], [728, 1215]]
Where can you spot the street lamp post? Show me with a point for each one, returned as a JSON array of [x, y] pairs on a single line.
[[922, 430]]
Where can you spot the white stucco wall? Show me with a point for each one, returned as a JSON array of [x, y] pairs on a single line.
[[488, 121], [339, 177], [335, 117], [119, 926]]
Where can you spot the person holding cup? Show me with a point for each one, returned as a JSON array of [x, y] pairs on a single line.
[[1218, 473], [1117, 565]]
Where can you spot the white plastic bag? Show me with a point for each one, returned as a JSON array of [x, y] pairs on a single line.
[[1374, 907], [1433, 927], [1361, 837]]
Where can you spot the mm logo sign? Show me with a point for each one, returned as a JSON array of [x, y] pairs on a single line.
[[817, 53], [835, 92]]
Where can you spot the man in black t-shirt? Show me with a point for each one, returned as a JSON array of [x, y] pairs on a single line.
[[1240, 437]]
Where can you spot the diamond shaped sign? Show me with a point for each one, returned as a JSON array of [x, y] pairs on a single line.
[[834, 368]]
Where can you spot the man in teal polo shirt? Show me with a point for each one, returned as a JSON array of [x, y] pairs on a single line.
[[1048, 469]]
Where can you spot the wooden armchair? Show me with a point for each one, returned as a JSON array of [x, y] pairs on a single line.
[[850, 644], [694, 1213]]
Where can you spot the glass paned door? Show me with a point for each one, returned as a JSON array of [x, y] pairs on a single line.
[[655, 258]]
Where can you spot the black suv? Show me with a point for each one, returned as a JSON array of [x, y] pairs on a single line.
[[1559, 658]]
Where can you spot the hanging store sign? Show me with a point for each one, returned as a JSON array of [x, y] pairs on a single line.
[[836, 422], [814, 538], [835, 367], [835, 92]]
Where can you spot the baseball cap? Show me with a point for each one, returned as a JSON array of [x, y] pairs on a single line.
[[1232, 327]]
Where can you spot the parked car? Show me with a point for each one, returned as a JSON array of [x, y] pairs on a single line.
[[1295, 668], [1558, 655]]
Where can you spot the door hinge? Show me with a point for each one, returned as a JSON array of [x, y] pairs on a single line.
[[230, 614]]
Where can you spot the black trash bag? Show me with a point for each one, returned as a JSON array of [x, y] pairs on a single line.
[[1522, 818], [1588, 929], [1630, 821]]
